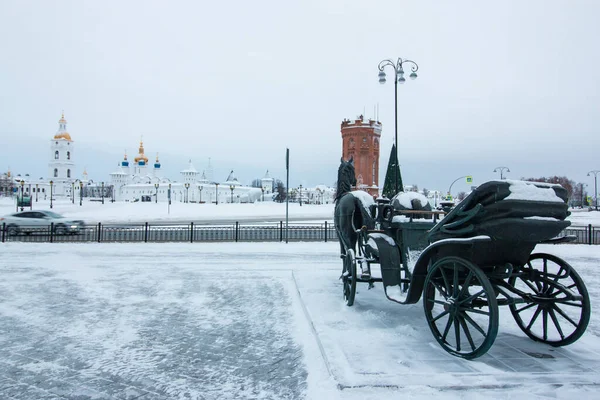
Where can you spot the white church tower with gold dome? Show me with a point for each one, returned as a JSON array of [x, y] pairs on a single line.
[[61, 168]]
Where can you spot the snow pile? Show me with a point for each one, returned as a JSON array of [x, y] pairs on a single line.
[[530, 191], [365, 198], [405, 199]]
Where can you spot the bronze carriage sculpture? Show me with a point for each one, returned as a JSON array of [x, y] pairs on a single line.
[[477, 258]]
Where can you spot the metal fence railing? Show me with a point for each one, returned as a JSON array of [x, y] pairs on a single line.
[[191, 232], [237, 232]]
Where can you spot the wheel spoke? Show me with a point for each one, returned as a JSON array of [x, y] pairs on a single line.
[[440, 316], [535, 315], [446, 283], [565, 316], [457, 333], [466, 285], [568, 303], [555, 280], [545, 323], [472, 297], [535, 289], [455, 282], [526, 307], [475, 325], [467, 333], [477, 311], [556, 324], [545, 284], [448, 326], [440, 289]]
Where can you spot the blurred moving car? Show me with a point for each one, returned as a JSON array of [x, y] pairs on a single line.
[[32, 221]]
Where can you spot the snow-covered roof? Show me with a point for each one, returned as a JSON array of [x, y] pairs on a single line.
[[190, 169], [232, 180]]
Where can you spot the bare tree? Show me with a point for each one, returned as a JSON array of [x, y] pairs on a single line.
[[280, 190], [425, 192], [461, 196], [257, 183]]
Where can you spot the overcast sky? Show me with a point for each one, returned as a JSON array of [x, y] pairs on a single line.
[[506, 83]]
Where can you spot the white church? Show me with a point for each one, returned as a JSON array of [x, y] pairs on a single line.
[[138, 182]]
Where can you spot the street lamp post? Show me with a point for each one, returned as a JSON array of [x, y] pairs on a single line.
[[169, 196], [300, 195], [262, 189], [73, 192], [36, 192], [231, 187], [156, 185], [456, 180], [398, 77], [22, 190], [595, 172], [200, 187], [501, 170], [102, 192], [187, 187], [81, 194], [217, 194], [51, 183]]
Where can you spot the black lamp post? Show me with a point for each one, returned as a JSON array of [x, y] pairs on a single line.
[[102, 192], [22, 190], [262, 189], [81, 194], [200, 190], [217, 194], [187, 187], [231, 187], [398, 78], [51, 183], [36, 192], [300, 195], [112, 193], [595, 172], [501, 170], [169, 196], [156, 185], [73, 192]]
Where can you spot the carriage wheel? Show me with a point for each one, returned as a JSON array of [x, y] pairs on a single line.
[[349, 277], [562, 314], [460, 307]]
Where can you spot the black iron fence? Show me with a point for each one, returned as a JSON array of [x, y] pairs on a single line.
[[191, 232]]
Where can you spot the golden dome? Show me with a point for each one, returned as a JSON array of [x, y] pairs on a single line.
[[63, 135], [141, 156], [62, 119]]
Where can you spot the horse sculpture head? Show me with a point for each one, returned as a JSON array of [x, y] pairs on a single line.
[[346, 177]]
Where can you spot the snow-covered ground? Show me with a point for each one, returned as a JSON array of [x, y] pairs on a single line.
[[251, 320], [94, 212]]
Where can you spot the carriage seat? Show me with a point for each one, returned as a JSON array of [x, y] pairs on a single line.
[[507, 210]]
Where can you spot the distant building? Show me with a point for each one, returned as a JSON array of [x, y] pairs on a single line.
[[360, 140]]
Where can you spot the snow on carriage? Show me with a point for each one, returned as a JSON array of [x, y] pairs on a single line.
[[477, 258]]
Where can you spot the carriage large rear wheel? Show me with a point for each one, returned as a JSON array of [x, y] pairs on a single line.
[[349, 277], [560, 310], [460, 307]]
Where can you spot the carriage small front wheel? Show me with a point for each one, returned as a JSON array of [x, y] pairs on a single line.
[[558, 310], [460, 307], [349, 277]]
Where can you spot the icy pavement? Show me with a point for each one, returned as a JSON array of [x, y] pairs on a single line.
[[249, 320]]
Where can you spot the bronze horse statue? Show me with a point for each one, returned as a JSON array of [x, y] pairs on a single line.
[[351, 208]]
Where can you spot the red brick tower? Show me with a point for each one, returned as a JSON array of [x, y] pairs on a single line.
[[360, 139]]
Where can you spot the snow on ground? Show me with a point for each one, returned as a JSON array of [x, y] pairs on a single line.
[[250, 320], [94, 212]]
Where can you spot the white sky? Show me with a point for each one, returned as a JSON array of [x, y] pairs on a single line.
[[511, 83]]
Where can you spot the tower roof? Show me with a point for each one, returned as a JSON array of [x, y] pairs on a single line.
[[62, 129], [190, 169], [141, 156]]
